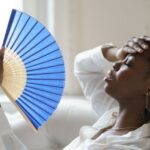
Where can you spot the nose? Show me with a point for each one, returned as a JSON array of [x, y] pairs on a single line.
[[117, 65]]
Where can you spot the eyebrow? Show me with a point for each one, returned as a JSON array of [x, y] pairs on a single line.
[[129, 56]]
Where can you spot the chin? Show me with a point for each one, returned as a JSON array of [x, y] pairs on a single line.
[[107, 88], [110, 90]]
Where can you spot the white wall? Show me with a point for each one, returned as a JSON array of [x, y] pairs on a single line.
[[78, 25], [113, 20], [84, 24], [38, 9]]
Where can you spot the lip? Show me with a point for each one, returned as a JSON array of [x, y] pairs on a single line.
[[109, 76]]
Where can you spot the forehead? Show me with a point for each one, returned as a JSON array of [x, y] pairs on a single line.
[[140, 59], [145, 56]]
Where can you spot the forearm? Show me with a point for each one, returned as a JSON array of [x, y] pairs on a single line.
[[110, 53], [90, 68], [91, 61]]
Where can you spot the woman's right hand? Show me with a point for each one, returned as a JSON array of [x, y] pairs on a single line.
[[1, 64], [133, 45]]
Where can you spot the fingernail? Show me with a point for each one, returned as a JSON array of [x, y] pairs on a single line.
[[147, 38], [140, 50], [144, 46]]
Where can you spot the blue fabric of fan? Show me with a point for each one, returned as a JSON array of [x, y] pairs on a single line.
[[44, 66]]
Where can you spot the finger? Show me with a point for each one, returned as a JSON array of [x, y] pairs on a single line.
[[142, 44], [145, 38], [138, 48], [135, 39], [135, 46], [131, 41], [128, 49]]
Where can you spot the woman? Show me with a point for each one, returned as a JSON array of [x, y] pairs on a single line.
[[8, 140], [125, 123]]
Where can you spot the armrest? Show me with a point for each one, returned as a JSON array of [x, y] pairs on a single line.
[[71, 114], [60, 130]]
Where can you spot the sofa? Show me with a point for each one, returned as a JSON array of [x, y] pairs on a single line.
[[62, 127]]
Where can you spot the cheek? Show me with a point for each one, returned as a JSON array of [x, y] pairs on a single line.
[[122, 77], [129, 79]]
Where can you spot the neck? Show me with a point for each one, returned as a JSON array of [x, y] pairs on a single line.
[[131, 113]]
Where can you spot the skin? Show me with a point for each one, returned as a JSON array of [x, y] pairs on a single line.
[[128, 81], [1, 65]]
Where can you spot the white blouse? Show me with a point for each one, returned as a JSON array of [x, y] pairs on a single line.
[[90, 69]]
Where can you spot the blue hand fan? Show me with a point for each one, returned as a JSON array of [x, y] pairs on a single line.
[[34, 73]]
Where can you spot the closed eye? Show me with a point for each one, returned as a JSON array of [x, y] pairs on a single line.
[[128, 61], [127, 64]]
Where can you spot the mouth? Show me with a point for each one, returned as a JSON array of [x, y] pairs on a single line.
[[109, 77]]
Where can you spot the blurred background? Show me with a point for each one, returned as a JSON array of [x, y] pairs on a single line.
[[78, 25]]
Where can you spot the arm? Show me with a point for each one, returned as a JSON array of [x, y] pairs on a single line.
[[90, 68]]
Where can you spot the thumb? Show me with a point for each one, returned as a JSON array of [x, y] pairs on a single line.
[[2, 54], [1, 64], [121, 54]]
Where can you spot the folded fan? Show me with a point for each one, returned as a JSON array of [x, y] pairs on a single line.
[[34, 71]]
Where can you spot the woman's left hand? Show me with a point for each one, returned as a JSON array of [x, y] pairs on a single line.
[[133, 45]]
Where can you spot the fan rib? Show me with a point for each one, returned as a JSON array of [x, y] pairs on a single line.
[[34, 112], [38, 52], [30, 40], [26, 35], [37, 64], [45, 79], [13, 31], [46, 67], [28, 100], [33, 47], [9, 26], [15, 40], [47, 113], [31, 119], [36, 74], [43, 55], [41, 95], [50, 92], [50, 85], [39, 100], [34, 121]]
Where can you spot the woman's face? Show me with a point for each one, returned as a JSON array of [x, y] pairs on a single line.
[[128, 77]]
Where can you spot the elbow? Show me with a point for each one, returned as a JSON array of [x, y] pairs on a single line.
[[78, 63]]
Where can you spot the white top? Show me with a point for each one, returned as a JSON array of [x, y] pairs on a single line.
[[90, 68]]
